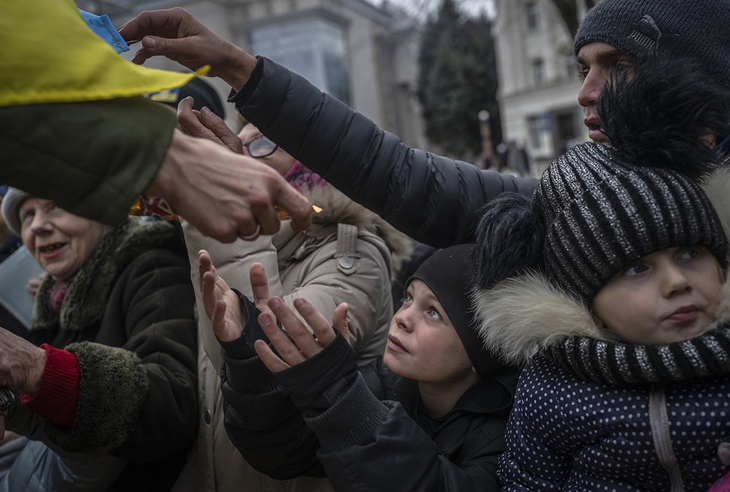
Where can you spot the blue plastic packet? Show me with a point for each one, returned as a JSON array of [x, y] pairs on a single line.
[[102, 27]]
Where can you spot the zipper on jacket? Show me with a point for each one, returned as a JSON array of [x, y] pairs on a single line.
[[659, 421]]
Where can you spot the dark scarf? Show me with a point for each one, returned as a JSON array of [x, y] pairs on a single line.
[[612, 362]]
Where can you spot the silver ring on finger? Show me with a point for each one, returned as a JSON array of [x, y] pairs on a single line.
[[254, 235]]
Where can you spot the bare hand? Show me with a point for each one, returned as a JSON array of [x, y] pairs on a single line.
[[206, 124], [223, 194], [177, 35], [34, 283], [222, 305], [21, 363], [302, 345]]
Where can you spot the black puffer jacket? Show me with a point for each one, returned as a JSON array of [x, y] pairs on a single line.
[[431, 198], [365, 428]]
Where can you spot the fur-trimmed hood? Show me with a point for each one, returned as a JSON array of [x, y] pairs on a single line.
[[339, 209], [526, 314], [86, 298]]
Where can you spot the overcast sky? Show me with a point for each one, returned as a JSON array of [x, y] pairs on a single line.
[[421, 7]]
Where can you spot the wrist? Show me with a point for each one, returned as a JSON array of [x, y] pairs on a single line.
[[35, 373], [238, 69]]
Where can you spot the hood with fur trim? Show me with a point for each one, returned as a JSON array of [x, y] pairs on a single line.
[[527, 314]]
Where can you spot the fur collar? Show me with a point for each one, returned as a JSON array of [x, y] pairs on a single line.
[[527, 314], [339, 209], [86, 298]]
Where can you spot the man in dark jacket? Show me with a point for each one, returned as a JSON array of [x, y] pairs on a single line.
[[429, 197]]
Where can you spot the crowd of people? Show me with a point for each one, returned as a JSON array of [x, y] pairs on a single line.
[[562, 333]]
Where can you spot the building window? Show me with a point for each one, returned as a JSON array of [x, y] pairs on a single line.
[[314, 47], [534, 127], [533, 18], [538, 72]]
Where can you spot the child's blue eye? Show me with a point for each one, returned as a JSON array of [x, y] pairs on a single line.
[[433, 313], [407, 299], [689, 253], [635, 270]]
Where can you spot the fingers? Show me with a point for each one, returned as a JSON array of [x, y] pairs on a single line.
[[339, 321], [218, 127], [298, 332], [288, 352], [260, 286], [299, 208], [272, 362], [188, 120]]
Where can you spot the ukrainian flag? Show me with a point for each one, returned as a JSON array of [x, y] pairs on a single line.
[[48, 55]]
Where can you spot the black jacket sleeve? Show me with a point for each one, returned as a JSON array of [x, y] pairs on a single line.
[[431, 198]]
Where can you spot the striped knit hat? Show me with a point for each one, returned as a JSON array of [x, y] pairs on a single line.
[[602, 212]]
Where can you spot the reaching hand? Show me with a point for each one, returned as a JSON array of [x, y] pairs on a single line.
[[225, 195], [222, 305], [302, 345], [206, 124], [177, 35], [21, 363]]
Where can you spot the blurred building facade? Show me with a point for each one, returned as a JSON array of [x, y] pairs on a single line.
[[538, 79], [364, 55]]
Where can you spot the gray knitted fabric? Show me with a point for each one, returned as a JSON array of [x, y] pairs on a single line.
[[696, 29], [601, 214]]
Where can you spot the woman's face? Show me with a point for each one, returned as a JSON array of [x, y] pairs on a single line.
[[59, 241]]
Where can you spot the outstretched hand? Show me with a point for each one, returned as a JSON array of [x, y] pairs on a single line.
[[303, 344], [221, 304], [225, 195], [206, 124], [177, 35]]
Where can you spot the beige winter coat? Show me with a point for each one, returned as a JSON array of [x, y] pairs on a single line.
[[312, 264]]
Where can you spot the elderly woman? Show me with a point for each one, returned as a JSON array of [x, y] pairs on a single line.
[[117, 376]]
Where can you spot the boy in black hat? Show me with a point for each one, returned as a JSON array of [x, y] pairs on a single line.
[[428, 415]]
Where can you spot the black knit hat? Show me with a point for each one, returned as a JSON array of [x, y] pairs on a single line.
[[447, 273], [696, 29], [598, 208]]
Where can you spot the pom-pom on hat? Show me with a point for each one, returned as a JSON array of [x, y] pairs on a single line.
[[447, 273]]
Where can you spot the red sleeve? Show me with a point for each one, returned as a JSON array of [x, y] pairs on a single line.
[[59, 394]]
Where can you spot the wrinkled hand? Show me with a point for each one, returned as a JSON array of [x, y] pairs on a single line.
[[221, 304], [206, 124], [225, 195], [21, 363], [302, 345], [34, 283], [177, 35]]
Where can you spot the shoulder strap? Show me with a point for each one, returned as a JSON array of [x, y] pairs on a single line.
[[347, 248]]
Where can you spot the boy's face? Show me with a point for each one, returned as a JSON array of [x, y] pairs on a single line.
[[422, 343], [665, 297], [598, 64]]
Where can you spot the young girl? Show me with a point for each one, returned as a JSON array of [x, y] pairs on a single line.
[[622, 303], [427, 415]]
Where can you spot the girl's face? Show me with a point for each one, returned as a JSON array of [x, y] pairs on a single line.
[[422, 343], [665, 297]]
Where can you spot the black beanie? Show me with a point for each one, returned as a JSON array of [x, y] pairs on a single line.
[[447, 273], [202, 92], [695, 29]]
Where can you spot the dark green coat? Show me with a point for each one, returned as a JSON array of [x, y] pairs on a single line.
[[139, 403]]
